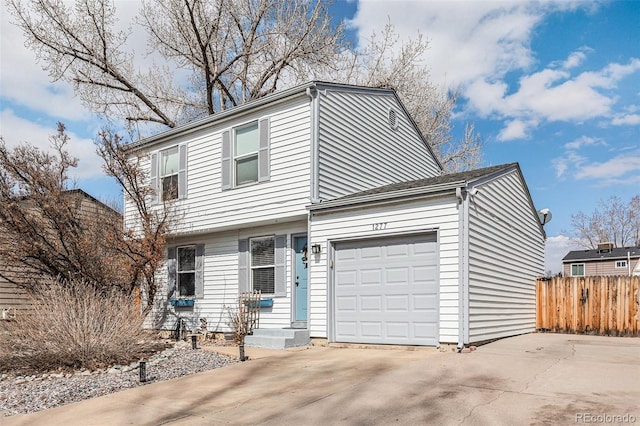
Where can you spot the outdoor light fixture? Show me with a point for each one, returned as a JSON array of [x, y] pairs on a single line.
[[316, 249]]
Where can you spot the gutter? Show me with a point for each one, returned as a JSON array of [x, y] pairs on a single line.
[[354, 202]]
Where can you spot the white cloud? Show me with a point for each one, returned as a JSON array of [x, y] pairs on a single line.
[[575, 59], [515, 129], [16, 130], [25, 83], [556, 248], [584, 141], [468, 40], [473, 45], [622, 169], [569, 161], [626, 120], [616, 167]]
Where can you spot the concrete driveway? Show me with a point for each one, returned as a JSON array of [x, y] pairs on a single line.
[[531, 379]]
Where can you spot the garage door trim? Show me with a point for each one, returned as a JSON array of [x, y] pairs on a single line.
[[331, 292]]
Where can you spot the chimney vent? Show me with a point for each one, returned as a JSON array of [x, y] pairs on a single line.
[[605, 247]]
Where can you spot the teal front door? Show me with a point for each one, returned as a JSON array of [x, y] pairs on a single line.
[[300, 290]]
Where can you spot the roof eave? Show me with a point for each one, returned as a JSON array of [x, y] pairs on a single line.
[[385, 196], [246, 107]]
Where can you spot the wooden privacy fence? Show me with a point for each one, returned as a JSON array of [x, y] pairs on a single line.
[[592, 305]]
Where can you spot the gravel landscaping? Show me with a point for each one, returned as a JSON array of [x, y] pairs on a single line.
[[27, 394]]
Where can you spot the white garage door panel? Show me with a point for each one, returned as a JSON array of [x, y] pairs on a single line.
[[386, 291]]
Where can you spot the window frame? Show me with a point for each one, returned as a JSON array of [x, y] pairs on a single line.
[[180, 272], [246, 156], [174, 176], [179, 175], [621, 264], [577, 265], [229, 159], [271, 266]]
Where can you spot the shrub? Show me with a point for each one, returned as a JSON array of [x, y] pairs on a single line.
[[75, 326]]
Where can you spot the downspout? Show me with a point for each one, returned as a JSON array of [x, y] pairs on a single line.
[[314, 191], [313, 186], [461, 265], [629, 262]]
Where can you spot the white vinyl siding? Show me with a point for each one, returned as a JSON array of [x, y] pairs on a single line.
[[220, 277], [358, 150], [281, 198], [440, 215], [506, 254]]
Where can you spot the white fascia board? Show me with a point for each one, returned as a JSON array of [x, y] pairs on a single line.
[[394, 196]]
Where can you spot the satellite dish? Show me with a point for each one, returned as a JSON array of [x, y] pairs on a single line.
[[544, 215]]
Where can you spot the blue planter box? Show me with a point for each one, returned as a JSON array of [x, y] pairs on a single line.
[[180, 303], [264, 303]]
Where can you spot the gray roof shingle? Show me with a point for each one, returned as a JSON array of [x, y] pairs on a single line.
[[438, 180], [615, 253]]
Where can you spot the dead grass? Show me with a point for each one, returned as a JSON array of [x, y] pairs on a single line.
[[75, 326]]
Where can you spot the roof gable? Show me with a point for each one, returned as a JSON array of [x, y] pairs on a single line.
[[264, 102]]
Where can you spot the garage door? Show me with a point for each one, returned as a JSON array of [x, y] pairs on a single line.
[[386, 291]]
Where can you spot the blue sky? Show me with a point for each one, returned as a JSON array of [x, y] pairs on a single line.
[[554, 86]]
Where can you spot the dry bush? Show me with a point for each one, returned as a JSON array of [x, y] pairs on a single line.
[[238, 324], [75, 326]]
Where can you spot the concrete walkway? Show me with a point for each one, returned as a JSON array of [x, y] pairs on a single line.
[[530, 379]]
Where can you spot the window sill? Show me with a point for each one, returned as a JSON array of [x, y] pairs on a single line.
[[182, 303]]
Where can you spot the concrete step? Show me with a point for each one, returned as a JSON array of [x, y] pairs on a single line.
[[277, 338]]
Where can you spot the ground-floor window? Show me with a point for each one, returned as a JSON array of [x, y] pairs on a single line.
[[186, 271], [262, 265], [262, 253]]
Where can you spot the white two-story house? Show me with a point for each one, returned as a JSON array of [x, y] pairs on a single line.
[[327, 199]]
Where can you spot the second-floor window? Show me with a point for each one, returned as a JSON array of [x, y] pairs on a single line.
[[246, 146], [621, 263], [168, 174], [577, 270], [246, 154], [169, 162]]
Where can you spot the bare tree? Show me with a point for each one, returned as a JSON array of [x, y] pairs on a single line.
[[613, 221], [231, 51], [142, 246], [49, 229]]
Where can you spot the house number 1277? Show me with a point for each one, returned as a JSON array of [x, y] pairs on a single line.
[[379, 226]]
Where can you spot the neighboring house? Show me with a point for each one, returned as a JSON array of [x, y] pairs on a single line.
[[605, 260], [12, 297], [327, 198]]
